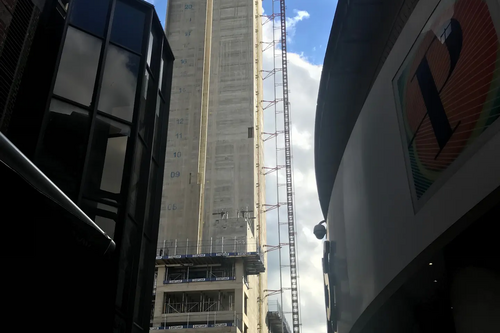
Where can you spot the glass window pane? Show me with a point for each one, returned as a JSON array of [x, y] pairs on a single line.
[[107, 159], [128, 26], [78, 67], [90, 15], [146, 84], [119, 83], [103, 215], [160, 81], [134, 183], [63, 146], [146, 110], [150, 48], [142, 109], [138, 184], [107, 225], [150, 200], [156, 53], [156, 143]]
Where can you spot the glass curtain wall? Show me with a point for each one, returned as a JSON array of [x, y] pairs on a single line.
[[104, 132]]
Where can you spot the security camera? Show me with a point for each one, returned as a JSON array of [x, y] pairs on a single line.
[[320, 230]]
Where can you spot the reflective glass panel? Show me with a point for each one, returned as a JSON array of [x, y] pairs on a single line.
[[150, 200], [156, 142], [134, 184], [138, 184], [119, 83], [107, 225], [103, 215], [63, 146], [142, 109], [160, 81], [107, 159], [78, 67], [128, 26], [150, 48], [156, 53], [90, 15]]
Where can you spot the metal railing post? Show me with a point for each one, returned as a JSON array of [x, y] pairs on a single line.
[[211, 249], [187, 245], [222, 244], [234, 243], [175, 247]]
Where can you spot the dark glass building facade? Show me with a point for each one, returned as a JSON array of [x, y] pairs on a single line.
[[18, 22], [88, 125]]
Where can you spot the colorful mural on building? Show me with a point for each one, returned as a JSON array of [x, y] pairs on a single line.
[[448, 89]]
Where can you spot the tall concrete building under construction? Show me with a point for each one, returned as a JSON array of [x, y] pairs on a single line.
[[210, 265]]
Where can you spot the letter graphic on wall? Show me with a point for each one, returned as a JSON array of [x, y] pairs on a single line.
[[448, 89]]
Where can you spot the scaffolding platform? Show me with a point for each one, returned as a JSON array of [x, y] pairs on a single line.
[[199, 320], [215, 251], [176, 327], [254, 264]]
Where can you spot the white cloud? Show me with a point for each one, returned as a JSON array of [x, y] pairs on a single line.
[[303, 91], [291, 22], [302, 139]]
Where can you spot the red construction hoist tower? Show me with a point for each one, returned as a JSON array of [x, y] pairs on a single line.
[[282, 139]]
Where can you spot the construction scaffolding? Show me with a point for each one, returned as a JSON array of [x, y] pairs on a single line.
[[199, 320], [215, 272], [216, 251], [205, 301], [213, 245], [282, 170]]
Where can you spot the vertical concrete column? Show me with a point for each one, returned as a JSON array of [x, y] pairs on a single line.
[[205, 93], [239, 269], [158, 309]]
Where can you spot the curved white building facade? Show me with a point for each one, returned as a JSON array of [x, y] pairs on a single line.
[[409, 179]]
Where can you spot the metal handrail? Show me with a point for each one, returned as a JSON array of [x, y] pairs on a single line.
[[14, 159], [176, 276], [188, 307], [214, 245], [214, 317]]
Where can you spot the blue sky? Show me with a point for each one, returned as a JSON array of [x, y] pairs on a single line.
[[161, 9], [311, 36], [310, 39]]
